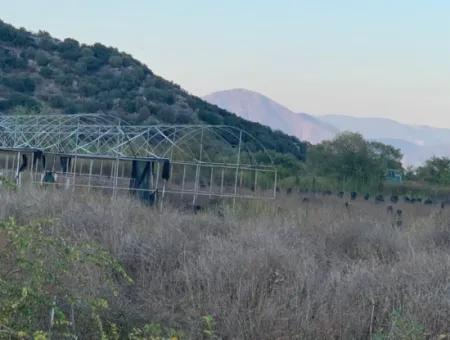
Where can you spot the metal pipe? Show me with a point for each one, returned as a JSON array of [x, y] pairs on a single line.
[[196, 184], [275, 186], [17, 170], [90, 175], [74, 168], [211, 182], [221, 180], [183, 180], [7, 164], [237, 169]]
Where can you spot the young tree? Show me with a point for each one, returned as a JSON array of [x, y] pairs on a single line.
[[435, 170]]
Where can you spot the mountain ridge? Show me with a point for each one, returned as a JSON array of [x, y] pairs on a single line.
[[257, 107], [417, 142]]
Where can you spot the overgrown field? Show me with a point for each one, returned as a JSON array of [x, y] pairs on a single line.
[[73, 263]]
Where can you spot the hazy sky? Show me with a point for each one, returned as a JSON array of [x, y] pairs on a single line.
[[388, 58]]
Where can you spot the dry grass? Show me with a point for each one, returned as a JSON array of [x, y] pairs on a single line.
[[286, 270]]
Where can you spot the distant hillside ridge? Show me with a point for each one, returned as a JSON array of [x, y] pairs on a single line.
[[417, 142], [259, 108], [41, 74]]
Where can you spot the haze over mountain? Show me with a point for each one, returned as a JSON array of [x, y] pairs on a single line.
[[387, 128], [259, 108], [417, 143]]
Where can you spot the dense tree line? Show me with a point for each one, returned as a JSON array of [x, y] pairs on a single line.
[[435, 171], [351, 162]]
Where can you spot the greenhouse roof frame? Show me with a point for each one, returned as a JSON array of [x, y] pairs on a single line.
[[90, 135]]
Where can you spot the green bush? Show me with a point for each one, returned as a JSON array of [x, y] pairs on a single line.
[[46, 72], [115, 61], [41, 58], [210, 117], [36, 268], [401, 328], [20, 84], [69, 49]]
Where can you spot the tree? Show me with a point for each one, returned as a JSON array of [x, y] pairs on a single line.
[[20, 83], [41, 58], [351, 159], [115, 61], [210, 117], [102, 52], [388, 156], [435, 170], [70, 49], [46, 72]]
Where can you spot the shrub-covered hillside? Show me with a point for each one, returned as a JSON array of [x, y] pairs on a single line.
[[39, 73]]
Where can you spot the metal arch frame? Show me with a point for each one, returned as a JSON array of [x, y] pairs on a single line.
[[61, 119], [77, 134], [96, 137]]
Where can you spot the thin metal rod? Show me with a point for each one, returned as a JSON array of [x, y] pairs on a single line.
[[211, 182], [112, 170], [91, 165], [163, 193], [151, 176], [157, 176], [196, 184], [172, 145], [183, 181], [201, 145], [237, 169], [197, 170], [32, 167], [221, 180], [275, 186], [74, 173], [7, 164], [115, 166], [17, 169]]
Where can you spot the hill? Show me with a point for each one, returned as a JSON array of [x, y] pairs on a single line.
[[259, 108], [41, 74]]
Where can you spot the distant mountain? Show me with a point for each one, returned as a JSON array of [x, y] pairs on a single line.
[[388, 128], [41, 74], [417, 143], [259, 108]]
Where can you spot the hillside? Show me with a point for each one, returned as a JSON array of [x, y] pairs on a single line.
[[40, 74], [259, 108]]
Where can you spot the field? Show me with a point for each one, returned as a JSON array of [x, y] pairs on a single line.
[[284, 269]]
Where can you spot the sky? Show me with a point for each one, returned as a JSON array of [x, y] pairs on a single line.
[[380, 58]]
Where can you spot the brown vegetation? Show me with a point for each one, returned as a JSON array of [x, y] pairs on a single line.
[[280, 270]]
